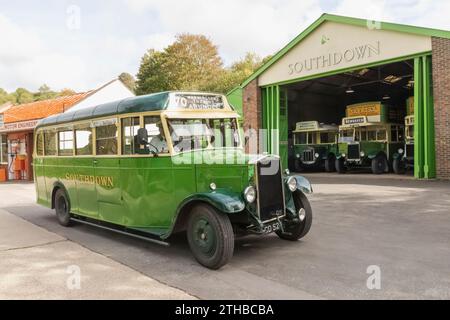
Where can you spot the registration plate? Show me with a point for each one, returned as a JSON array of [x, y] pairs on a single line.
[[271, 227]]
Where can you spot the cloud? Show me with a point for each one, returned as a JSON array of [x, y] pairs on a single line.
[[26, 61], [114, 35], [235, 26]]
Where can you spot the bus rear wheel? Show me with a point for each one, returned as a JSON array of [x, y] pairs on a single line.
[[62, 208], [210, 236]]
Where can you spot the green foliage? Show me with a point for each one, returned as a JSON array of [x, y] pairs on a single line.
[[128, 80], [192, 62], [6, 97], [44, 93], [22, 95]]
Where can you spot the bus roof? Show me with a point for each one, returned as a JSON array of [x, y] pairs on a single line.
[[170, 100]]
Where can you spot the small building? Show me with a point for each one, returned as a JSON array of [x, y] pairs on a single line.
[[340, 61], [18, 122]]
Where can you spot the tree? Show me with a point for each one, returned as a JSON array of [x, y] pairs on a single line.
[[238, 72], [23, 96], [45, 93], [128, 80], [6, 97], [66, 92], [192, 62], [152, 76]]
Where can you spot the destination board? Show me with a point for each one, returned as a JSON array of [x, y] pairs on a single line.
[[364, 109], [197, 102]]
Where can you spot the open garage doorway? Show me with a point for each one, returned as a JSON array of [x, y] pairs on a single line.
[[317, 107]]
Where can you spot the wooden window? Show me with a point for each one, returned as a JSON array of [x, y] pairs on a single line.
[[106, 139], [130, 127], [83, 141], [65, 143], [50, 143]]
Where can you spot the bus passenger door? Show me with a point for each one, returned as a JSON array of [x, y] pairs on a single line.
[[108, 187], [83, 168], [83, 172]]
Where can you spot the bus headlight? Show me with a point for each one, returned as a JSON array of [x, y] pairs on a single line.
[[250, 194], [401, 151], [317, 155], [362, 154], [292, 184]]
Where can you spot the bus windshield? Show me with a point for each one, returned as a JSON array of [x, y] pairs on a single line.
[[347, 135], [199, 134]]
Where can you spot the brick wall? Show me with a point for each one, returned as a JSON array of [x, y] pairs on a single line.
[[441, 90], [252, 106]]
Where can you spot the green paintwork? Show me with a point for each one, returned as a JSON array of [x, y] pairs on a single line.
[[283, 126], [272, 124], [234, 97], [371, 150], [343, 20], [424, 136]]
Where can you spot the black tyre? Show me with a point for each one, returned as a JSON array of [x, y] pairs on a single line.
[[62, 208], [379, 164], [210, 236], [295, 231], [330, 164], [340, 166], [399, 166]]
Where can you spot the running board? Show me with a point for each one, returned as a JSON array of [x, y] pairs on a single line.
[[117, 229]]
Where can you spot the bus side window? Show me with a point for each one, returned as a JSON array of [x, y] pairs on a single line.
[[130, 127], [50, 143], [156, 137], [65, 143], [83, 141], [40, 144], [363, 134], [401, 134], [106, 138]]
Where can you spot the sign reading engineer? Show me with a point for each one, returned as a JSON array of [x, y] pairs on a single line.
[[362, 52]]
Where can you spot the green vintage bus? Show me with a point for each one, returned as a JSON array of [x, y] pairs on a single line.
[[315, 146], [367, 138], [404, 158], [152, 166]]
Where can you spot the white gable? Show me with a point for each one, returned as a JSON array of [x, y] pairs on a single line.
[[113, 91], [334, 46]]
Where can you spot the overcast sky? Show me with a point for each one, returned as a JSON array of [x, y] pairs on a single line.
[[81, 44]]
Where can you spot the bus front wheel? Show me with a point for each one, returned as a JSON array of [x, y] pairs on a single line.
[[379, 164], [62, 208], [340, 166], [210, 236]]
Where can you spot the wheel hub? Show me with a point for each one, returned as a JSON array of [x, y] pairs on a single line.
[[204, 236]]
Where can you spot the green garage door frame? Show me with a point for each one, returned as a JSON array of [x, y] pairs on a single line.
[[425, 154]]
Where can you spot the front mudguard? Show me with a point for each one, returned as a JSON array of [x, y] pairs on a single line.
[[304, 187], [223, 200]]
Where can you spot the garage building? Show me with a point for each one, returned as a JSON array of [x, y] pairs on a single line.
[[339, 61]]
